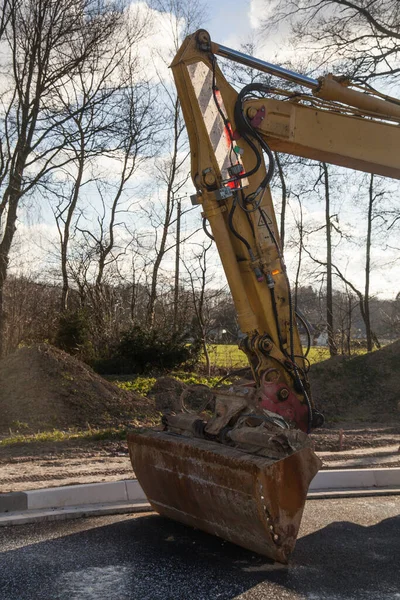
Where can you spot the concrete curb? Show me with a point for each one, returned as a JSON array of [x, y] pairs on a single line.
[[355, 479], [112, 492], [73, 512], [127, 490], [73, 501], [127, 496]]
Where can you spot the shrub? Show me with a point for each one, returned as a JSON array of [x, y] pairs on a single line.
[[73, 333], [142, 350]]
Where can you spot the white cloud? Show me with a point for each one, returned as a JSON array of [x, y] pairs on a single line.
[[257, 13]]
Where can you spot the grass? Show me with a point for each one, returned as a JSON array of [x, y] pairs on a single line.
[[317, 354], [226, 356], [229, 356], [57, 435], [222, 356], [142, 385]]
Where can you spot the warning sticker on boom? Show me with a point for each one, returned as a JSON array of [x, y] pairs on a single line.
[[213, 111], [264, 219]]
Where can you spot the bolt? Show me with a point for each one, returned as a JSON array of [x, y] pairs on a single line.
[[203, 37], [209, 178], [266, 345], [251, 112], [284, 394], [203, 40]]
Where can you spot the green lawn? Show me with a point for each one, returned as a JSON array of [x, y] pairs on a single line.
[[230, 357], [317, 354], [227, 356], [142, 384]]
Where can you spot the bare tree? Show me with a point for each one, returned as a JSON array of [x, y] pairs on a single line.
[[299, 243], [345, 304], [44, 42], [371, 199], [184, 16], [304, 234], [108, 102], [329, 287], [359, 37], [173, 175], [203, 296], [32, 310]]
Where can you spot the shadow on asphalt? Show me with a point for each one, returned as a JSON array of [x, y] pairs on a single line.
[[152, 558]]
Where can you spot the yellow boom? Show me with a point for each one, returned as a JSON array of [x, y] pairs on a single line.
[[242, 472]]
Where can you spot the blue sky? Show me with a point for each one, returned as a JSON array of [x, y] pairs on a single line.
[[232, 24], [229, 21]]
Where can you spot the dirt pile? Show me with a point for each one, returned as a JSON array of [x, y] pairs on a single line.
[[42, 388], [362, 388]]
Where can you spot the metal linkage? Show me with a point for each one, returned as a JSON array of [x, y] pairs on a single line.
[[267, 67]]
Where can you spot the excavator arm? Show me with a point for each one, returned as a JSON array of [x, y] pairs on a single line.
[[227, 133], [242, 470]]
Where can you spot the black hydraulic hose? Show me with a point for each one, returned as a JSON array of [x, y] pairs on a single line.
[[245, 129], [257, 154], [242, 123], [221, 112], [291, 312], [208, 234], [306, 325], [291, 332], [276, 317], [235, 232]]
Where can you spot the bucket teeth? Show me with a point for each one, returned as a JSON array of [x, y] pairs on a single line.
[[253, 501]]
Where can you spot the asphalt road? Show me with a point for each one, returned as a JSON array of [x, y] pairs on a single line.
[[348, 548]]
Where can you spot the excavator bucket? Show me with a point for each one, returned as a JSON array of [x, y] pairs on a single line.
[[253, 501]]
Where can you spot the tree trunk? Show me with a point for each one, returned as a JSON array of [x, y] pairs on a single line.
[[329, 286], [171, 180], [67, 227], [206, 355], [177, 260], [367, 318], [12, 194], [349, 321], [151, 310]]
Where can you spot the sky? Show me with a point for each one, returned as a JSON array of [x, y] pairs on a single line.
[[229, 23], [233, 25]]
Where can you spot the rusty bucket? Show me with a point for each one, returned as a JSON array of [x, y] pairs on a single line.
[[253, 501]]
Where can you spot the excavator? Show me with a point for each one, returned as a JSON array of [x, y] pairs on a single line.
[[241, 467]]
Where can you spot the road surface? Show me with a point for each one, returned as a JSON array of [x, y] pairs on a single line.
[[347, 549]]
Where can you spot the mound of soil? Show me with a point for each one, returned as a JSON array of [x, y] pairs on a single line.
[[362, 388], [42, 388]]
